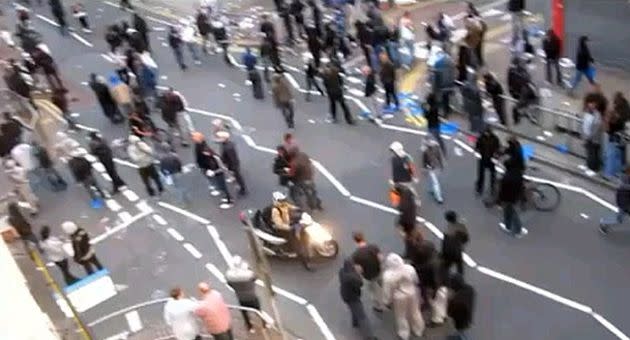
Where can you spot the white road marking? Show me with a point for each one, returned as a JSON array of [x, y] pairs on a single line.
[[323, 327], [81, 39], [125, 216], [159, 219], [223, 249], [183, 212], [144, 206], [130, 195], [584, 216], [373, 204], [192, 250], [331, 178], [610, 327], [176, 235], [50, 21], [106, 177], [133, 320], [98, 166], [113, 205], [118, 228], [403, 129], [297, 299], [221, 85], [534, 289], [216, 272]]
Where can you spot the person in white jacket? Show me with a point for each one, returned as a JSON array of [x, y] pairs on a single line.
[[144, 157], [400, 289], [187, 33], [179, 314]]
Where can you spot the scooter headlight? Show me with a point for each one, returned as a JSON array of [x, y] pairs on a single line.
[[318, 234]]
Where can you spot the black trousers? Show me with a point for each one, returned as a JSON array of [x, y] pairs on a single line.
[[150, 172], [255, 304], [593, 156], [110, 168], [310, 83], [499, 106], [390, 94], [65, 271], [482, 166], [333, 100], [448, 262], [90, 182], [239, 180], [88, 263], [288, 114], [555, 64]]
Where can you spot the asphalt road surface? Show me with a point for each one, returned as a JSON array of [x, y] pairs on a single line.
[[562, 281]]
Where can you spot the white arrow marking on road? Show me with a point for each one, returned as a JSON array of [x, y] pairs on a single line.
[[144, 206], [117, 228], [192, 250], [176, 235]]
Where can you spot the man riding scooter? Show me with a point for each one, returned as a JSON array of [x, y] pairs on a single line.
[[284, 220]]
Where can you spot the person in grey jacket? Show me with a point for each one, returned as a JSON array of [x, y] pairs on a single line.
[[242, 280], [592, 130], [144, 157]]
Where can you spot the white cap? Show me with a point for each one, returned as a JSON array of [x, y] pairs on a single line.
[[397, 147], [306, 219], [69, 227], [278, 196]]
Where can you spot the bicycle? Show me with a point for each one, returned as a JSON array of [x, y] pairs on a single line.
[[542, 196]]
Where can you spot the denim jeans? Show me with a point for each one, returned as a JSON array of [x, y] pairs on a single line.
[[179, 57], [435, 188], [511, 219], [219, 182], [613, 220], [578, 78], [193, 50], [360, 319], [612, 163]]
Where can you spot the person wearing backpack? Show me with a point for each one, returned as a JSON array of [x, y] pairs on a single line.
[[173, 106]]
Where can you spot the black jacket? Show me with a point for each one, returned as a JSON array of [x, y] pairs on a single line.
[[387, 73], [81, 168], [174, 40], [461, 303], [517, 79], [102, 151], [350, 282], [407, 208], [296, 8], [301, 168], [583, 57], [333, 82], [171, 104], [229, 156], [454, 241], [551, 46], [170, 163], [140, 25], [370, 84], [102, 93], [432, 112], [280, 163], [402, 170], [202, 24], [81, 245], [268, 29], [623, 194], [21, 225], [516, 5], [487, 145], [206, 158]]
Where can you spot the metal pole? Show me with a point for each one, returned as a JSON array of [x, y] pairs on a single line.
[[262, 267]]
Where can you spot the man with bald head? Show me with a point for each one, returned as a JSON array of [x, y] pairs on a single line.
[[214, 313]]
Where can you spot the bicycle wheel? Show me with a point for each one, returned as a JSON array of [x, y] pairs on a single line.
[[545, 197]]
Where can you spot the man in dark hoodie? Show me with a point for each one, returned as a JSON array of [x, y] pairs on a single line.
[[229, 156], [99, 148], [455, 239], [460, 307], [81, 170], [350, 287], [140, 25], [488, 146], [334, 89]]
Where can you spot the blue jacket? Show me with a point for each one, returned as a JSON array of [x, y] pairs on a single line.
[[249, 60]]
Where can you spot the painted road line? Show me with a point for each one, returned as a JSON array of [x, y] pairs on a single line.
[[144, 206], [331, 178], [193, 251], [134, 322], [87, 128], [130, 195], [403, 129], [373, 204], [183, 212], [610, 327], [124, 162], [81, 39], [323, 327], [297, 299], [106, 177], [97, 166], [125, 216], [176, 235], [223, 249], [113, 205], [437, 232], [90, 158], [537, 290], [159, 219], [216, 272], [107, 57], [118, 228], [50, 21], [248, 139]]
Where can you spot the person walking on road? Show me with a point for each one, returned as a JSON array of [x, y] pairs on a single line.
[[460, 306], [212, 167], [243, 281], [81, 170], [583, 65], [432, 113], [404, 200], [175, 42], [121, 93], [187, 34], [403, 167], [179, 314], [488, 147], [387, 74], [173, 106], [53, 248], [140, 25], [56, 7], [105, 99], [334, 90], [622, 198], [84, 253], [551, 46], [99, 148], [24, 229], [592, 129], [495, 91], [512, 189], [314, 45], [369, 257], [221, 37], [204, 29], [250, 61], [400, 283], [283, 98], [21, 184], [433, 163], [144, 157], [453, 243], [296, 8], [312, 72], [408, 37], [230, 158], [350, 282], [516, 8], [214, 313]]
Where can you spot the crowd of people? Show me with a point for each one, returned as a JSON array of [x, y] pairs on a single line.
[[420, 280]]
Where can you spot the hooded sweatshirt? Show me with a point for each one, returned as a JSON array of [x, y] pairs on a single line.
[[402, 164], [399, 279], [242, 280], [350, 282], [140, 152]]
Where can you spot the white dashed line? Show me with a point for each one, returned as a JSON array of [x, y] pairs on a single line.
[[159, 219], [320, 322], [50, 21], [113, 205], [81, 39], [130, 195], [133, 320], [176, 235], [216, 272], [125, 216], [192, 250], [297, 299]]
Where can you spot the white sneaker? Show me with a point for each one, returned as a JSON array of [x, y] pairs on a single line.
[[214, 193]]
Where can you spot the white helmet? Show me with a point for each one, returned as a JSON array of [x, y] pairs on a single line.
[[278, 196], [69, 227], [306, 219]]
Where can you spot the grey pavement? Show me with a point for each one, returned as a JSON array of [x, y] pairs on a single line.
[[562, 253]]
